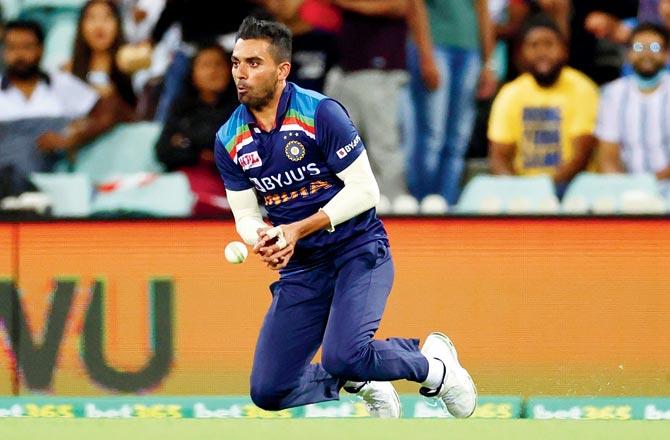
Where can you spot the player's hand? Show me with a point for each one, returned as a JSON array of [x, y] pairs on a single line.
[[274, 251]]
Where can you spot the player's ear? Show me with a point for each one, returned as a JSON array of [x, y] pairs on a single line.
[[284, 70]]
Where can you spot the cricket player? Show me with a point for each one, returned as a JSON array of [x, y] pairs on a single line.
[[298, 153]]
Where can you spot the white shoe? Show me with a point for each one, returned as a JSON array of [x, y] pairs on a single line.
[[457, 391], [381, 399]]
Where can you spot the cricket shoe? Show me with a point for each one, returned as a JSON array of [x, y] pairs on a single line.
[[381, 398], [457, 391]]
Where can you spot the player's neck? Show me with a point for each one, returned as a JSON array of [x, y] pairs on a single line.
[[266, 117]]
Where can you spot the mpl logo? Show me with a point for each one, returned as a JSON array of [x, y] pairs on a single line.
[[250, 160]]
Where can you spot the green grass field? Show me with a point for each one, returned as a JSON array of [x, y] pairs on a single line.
[[328, 429]]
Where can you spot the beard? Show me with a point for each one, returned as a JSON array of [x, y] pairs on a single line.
[[260, 100], [648, 73], [23, 71], [548, 79]]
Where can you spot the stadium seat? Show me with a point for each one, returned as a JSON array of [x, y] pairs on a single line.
[[10, 9], [59, 43], [127, 149], [508, 194], [167, 195], [70, 194], [615, 193], [51, 4]]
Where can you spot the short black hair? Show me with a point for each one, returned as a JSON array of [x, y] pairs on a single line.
[[26, 25], [658, 29], [541, 20], [277, 34]]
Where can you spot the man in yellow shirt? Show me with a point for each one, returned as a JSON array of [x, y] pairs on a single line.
[[543, 122]]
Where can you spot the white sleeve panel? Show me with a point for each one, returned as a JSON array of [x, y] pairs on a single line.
[[359, 194], [609, 127], [248, 218]]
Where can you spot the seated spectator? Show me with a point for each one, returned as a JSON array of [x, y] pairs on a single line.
[[187, 140], [543, 122], [314, 51], [29, 97], [200, 21], [99, 38], [634, 123]]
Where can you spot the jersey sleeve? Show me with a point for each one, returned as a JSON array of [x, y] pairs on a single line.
[[337, 136], [231, 173]]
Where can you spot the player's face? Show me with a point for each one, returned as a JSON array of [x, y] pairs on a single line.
[[648, 54], [544, 54], [22, 53], [256, 73]]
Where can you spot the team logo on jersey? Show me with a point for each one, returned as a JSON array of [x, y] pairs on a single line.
[[295, 151], [250, 160]]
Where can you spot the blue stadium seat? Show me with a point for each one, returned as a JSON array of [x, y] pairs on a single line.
[[508, 194]]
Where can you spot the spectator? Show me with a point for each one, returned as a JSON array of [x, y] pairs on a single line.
[[444, 112], [99, 38], [543, 122], [372, 59], [314, 51], [634, 123], [200, 21], [186, 143], [598, 57], [37, 101]]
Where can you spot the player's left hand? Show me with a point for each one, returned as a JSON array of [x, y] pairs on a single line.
[[275, 253]]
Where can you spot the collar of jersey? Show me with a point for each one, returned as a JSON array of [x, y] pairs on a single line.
[[282, 108]]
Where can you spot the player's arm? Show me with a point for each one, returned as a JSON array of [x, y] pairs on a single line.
[[240, 194], [609, 158], [583, 147], [248, 218], [501, 158], [388, 8]]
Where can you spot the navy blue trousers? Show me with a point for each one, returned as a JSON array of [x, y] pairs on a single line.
[[337, 306]]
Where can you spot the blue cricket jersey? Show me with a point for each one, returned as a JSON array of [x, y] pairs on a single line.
[[293, 168]]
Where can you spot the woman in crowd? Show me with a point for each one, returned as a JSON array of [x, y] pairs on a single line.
[[98, 41], [187, 141]]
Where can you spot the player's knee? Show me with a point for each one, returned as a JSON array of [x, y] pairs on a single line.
[[341, 363], [266, 397]]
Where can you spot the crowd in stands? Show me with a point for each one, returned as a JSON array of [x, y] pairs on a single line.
[[436, 88]]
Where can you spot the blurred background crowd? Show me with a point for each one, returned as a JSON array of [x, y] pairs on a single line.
[[110, 107]]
